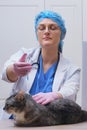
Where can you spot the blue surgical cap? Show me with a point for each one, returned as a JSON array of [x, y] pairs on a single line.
[[56, 18]]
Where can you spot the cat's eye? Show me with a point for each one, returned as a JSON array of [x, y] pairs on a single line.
[[7, 105]]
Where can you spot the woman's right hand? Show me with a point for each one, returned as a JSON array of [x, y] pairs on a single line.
[[19, 68]]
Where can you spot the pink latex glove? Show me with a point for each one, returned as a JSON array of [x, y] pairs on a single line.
[[44, 98], [21, 67]]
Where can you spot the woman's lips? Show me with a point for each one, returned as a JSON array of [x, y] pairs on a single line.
[[46, 38]]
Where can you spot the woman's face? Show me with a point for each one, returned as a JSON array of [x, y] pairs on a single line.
[[48, 33]]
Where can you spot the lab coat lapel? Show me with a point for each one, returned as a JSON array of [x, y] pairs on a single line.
[[60, 72], [32, 73]]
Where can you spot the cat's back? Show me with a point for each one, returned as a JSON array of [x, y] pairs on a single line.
[[64, 105]]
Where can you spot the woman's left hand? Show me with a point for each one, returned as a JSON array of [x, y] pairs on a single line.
[[44, 98]]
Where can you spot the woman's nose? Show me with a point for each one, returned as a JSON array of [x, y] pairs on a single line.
[[47, 30]]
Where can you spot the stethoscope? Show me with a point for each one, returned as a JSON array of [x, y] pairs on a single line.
[[34, 64], [38, 62]]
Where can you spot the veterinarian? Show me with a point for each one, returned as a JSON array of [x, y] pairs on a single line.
[[43, 71]]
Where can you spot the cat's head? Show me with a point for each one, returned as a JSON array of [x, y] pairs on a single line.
[[15, 103]]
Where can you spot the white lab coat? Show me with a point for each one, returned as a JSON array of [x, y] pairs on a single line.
[[66, 79]]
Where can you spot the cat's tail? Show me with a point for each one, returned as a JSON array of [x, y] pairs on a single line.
[[83, 116]]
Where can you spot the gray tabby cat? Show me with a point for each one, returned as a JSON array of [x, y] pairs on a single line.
[[27, 112]]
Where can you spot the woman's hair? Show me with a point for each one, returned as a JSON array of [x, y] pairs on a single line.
[[56, 18]]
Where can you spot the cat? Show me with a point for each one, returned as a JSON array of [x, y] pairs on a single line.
[[27, 112]]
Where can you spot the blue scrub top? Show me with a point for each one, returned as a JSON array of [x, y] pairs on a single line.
[[43, 81]]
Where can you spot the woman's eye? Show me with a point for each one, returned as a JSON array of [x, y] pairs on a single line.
[[41, 28], [53, 27], [50, 28]]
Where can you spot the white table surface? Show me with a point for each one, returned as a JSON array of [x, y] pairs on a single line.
[[9, 125]]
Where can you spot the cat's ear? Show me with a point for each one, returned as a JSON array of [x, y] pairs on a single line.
[[21, 92], [20, 96]]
